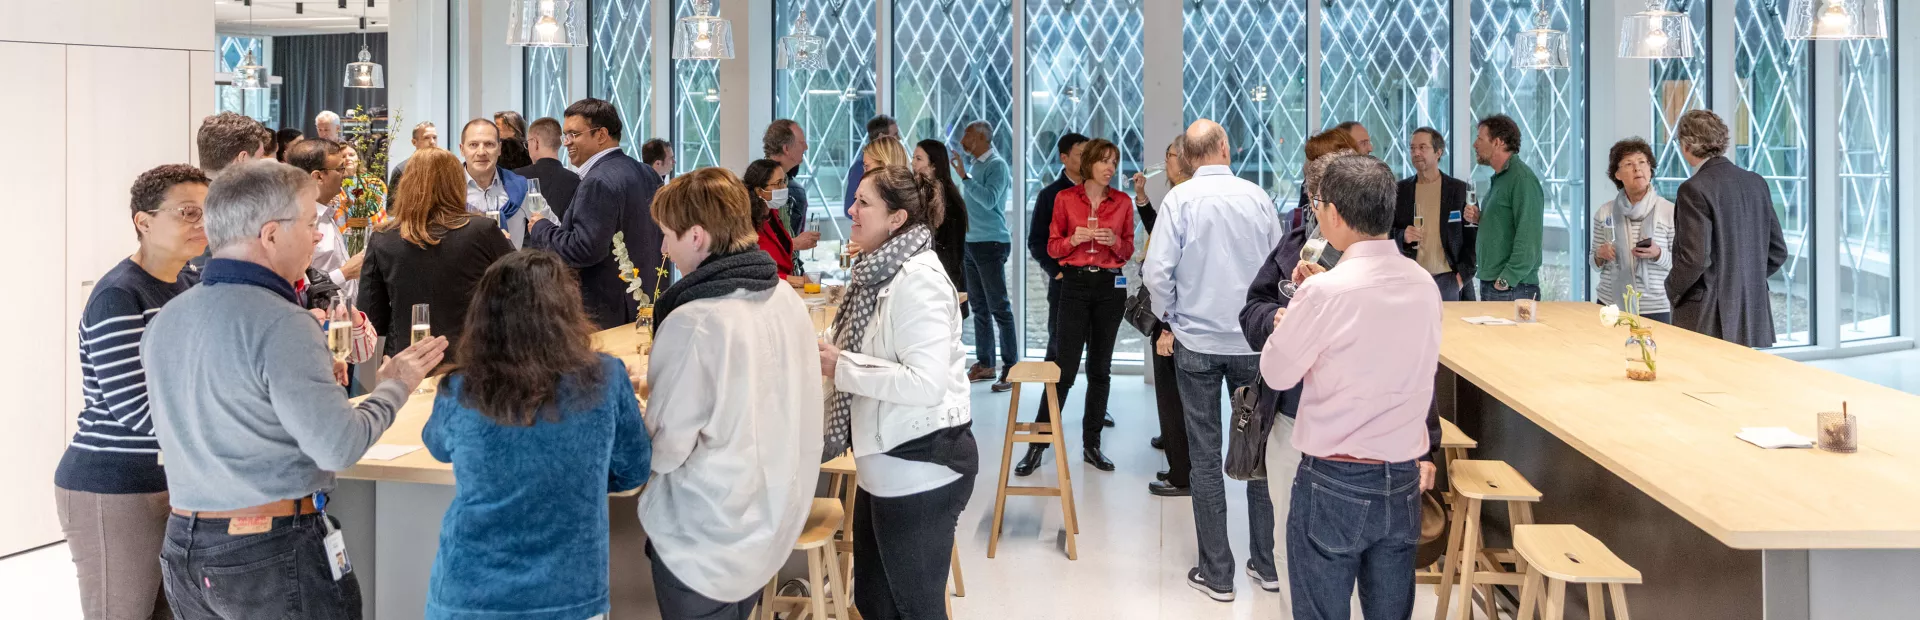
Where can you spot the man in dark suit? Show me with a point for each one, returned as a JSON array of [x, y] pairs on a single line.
[[1443, 243], [615, 195], [1722, 219], [556, 181]]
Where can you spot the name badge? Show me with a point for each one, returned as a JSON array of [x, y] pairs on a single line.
[[337, 554], [1119, 281], [1453, 217]]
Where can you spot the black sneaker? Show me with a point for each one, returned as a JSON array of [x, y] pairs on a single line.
[[1270, 586], [1200, 583]]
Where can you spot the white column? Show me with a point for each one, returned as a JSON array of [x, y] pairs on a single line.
[[1164, 77], [1018, 160], [1462, 133], [1620, 101], [1313, 67], [1823, 110], [746, 81], [661, 43], [1906, 144], [1725, 98], [883, 57]]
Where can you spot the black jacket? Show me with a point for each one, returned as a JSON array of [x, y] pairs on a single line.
[[1727, 243], [397, 274], [1456, 236], [1040, 227], [557, 183], [615, 196]]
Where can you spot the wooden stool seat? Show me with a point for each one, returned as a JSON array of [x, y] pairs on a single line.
[[1452, 437], [826, 583], [1491, 481], [1046, 373], [843, 479], [823, 521], [1557, 555]]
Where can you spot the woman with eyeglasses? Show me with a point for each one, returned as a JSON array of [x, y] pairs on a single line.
[[766, 182], [111, 490]]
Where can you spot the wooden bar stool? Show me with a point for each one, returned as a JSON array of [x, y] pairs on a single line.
[[823, 565], [843, 479], [1563, 554], [1047, 433], [1474, 484], [1453, 445]]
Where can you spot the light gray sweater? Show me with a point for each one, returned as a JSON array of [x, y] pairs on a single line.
[[244, 401]]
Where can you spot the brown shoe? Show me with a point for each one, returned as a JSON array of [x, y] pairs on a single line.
[[979, 373], [1002, 386]]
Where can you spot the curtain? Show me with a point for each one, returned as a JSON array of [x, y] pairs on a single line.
[[313, 70]]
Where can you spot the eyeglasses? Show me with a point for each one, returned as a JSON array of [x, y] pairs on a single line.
[[190, 215], [575, 135]]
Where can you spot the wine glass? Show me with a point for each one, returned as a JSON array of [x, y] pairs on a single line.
[[422, 330], [1314, 249], [1420, 224], [1093, 226], [822, 324], [339, 326], [1473, 202]]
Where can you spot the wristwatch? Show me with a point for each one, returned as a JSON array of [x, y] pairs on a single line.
[[1501, 284]]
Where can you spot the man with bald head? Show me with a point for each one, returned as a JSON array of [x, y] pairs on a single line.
[[1210, 239]]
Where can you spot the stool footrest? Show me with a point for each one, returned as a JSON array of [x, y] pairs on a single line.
[[1041, 438], [1043, 428], [1041, 491]]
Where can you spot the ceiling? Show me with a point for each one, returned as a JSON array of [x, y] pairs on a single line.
[[280, 17]]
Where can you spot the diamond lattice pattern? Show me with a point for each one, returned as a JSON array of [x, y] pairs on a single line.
[[545, 84], [1770, 138], [620, 64], [1084, 74], [1678, 85], [696, 105], [1388, 65], [1245, 68], [953, 65], [1867, 249], [833, 104]]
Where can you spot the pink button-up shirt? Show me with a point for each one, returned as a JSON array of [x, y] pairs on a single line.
[[1363, 339]]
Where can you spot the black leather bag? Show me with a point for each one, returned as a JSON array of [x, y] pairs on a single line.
[[1247, 439], [1139, 312]]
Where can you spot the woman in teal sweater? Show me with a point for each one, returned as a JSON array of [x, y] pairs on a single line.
[[539, 429]]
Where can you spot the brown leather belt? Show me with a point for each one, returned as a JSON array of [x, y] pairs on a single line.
[[282, 508], [1351, 459]]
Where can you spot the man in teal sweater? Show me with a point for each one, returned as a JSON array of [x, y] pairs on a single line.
[[1511, 218]]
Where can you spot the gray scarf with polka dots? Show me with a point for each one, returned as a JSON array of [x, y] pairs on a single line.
[[872, 273]]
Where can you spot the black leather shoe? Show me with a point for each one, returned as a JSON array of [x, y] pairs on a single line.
[[1093, 457], [1163, 489], [1158, 443], [1162, 474], [1107, 421], [1030, 462]]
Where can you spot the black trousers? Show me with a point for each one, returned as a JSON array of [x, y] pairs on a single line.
[[1173, 413], [902, 549], [1090, 314], [678, 601]]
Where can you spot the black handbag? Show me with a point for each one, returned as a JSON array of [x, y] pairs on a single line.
[[1139, 312], [1247, 439]]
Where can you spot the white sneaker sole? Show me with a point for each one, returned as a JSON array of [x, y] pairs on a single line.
[[1270, 586], [1224, 597]]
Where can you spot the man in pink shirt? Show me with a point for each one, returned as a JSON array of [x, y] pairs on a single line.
[[1363, 340]]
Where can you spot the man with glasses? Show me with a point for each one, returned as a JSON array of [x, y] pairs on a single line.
[[325, 161], [615, 196], [1429, 217]]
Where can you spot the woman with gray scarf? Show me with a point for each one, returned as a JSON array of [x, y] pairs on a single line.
[[1632, 232], [901, 398]]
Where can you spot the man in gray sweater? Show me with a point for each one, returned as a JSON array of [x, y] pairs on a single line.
[[250, 420]]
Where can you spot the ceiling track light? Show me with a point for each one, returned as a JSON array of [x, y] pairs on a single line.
[[343, 4], [363, 22], [299, 8]]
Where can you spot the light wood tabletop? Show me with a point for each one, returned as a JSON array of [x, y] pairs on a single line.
[[1673, 438]]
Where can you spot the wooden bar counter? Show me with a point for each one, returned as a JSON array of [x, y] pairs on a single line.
[[1720, 528]]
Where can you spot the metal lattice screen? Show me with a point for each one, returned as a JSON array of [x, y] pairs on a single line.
[[1867, 251], [696, 106], [953, 64], [1245, 68], [1770, 138], [1084, 74], [620, 64], [260, 105], [1551, 109], [545, 82], [1387, 64], [831, 104], [1679, 85]]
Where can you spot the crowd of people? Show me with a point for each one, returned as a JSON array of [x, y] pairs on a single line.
[[229, 341]]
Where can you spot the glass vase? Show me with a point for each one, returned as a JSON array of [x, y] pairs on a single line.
[[355, 235], [1640, 353], [643, 330]]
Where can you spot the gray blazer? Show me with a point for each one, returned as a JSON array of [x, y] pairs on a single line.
[[1727, 243]]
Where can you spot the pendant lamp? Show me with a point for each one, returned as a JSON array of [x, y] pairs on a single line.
[[1836, 20], [1541, 48], [1656, 33], [801, 50], [703, 36], [544, 23], [365, 73], [249, 75]]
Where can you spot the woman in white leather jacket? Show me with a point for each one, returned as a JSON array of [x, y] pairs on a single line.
[[901, 399]]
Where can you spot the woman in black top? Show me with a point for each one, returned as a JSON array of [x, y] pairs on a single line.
[[429, 253], [950, 236]]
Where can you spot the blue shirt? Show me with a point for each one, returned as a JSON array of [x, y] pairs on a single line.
[[526, 535], [985, 191], [855, 173], [1213, 233]]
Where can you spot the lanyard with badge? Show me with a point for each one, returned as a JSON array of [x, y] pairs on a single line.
[[336, 541]]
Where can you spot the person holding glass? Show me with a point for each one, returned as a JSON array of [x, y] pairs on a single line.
[[432, 252], [931, 162], [766, 182], [1092, 237], [1175, 480], [1632, 232], [902, 397], [536, 422]]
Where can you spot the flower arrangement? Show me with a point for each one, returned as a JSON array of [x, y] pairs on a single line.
[[631, 274], [371, 144], [1640, 347]]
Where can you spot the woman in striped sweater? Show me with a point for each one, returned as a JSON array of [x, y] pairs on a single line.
[[111, 491], [1619, 227]]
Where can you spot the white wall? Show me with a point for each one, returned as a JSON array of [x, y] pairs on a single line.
[[107, 90]]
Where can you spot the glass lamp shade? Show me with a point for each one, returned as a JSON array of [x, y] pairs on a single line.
[[702, 36], [544, 23], [249, 75], [366, 73], [1542, 47], [801, 50], [1656, 33], [1836, 20]]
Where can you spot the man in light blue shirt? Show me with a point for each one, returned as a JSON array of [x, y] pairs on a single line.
[[984, 189], [1213, 233]]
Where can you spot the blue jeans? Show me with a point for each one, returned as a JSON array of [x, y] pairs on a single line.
[[986, 271], [280, 573], [1513, 292], [1353, 523], [1200, 375]]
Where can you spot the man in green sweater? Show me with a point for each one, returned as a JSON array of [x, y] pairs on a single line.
[[1511, 218]]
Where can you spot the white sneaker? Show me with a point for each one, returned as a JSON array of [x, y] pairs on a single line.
[[1200, 583], [1270, 586]]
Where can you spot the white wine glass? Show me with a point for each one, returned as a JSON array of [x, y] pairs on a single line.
[[1473, 203], [339, 329], [1093, 227], [1311, 252], [422, 330]]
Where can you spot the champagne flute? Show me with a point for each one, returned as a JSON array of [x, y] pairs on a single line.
[[822, 326], [535, 202], [1311, 252], [1093, 227], [1420, 224], [339, 324], [422, 330], [1473, 203]]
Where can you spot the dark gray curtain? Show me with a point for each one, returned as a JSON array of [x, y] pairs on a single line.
[[313, 70]]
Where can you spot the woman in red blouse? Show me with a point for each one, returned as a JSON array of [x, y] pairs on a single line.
[[1092, 236], [766, 183]]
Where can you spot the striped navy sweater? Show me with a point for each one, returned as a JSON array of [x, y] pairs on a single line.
[[115, 450]]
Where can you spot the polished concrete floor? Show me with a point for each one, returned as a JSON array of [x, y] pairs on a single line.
[[1135, 549]]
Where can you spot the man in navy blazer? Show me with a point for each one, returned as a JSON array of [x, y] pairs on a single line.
[[615, 195]]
